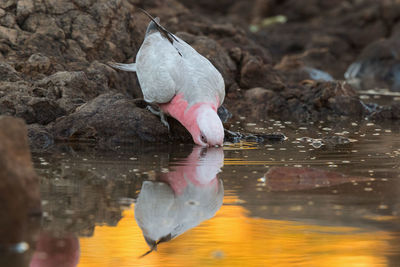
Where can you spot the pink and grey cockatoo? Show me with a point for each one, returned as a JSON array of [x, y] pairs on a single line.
[[183, 83], [182, 198]]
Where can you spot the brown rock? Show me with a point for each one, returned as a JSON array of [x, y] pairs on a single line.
[[378, 65], [8, 73], [311, 101], [111, 118], [255, 73], [38, 63], [8, 34], [39, 137], [70, 89], [7, 3], [24, 8], [19, 187]]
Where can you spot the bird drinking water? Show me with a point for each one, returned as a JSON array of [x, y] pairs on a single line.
[[183, 83]]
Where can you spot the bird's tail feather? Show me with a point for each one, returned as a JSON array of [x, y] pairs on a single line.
[[152, 27], [125, 67], [155, 22]]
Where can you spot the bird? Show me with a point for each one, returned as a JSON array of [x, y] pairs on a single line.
[[182, 198], [183, 83]]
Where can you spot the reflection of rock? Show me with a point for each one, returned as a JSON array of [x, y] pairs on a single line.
[[52, 251], [19, 187], [88, 193], [297, 179], [182, 198]]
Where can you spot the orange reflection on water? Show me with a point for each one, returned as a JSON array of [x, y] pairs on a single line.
[[232, 238]]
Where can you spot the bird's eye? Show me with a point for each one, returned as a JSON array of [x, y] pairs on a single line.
[[203, 138]]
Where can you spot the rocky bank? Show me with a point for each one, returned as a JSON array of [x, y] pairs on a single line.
[[280, 59]]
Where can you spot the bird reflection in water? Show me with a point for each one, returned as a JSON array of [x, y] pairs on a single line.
[[182, 198]]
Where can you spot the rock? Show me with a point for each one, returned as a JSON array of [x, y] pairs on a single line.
[[8, 73], [70, 89], [18, 99], [297, 68], [39, 137], [45, 111], [110, 117], [310, 101], [378, 66], [9, 34], [254, 73], [24, 9], [19, 187], [7, 3], [335, 140], [85, 31], [38, 63], [235, 137], [389, 112], [54, 55], [298, 179]]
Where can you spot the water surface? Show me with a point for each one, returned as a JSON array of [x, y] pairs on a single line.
[[109, 207]]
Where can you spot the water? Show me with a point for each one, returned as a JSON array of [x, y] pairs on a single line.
[[108, 207]]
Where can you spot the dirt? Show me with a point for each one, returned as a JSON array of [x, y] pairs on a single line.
[[280, 59]]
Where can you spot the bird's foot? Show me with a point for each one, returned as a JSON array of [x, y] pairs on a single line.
[[160, 114]]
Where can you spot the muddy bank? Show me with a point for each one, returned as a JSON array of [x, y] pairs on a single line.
[[281, 60]]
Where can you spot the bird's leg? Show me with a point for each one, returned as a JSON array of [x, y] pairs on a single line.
[[160, 114]]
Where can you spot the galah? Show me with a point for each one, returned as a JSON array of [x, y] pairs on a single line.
[[182, 198], [183, 83]]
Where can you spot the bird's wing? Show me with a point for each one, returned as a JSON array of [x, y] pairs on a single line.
[[159, 69], [200, 74], [166, 66]]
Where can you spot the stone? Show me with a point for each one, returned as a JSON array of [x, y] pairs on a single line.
[[8, 73], [39, 137], [255, 73], [54, 55], [38, 63], [111, 118], [377, 66], [19, 187], [7, 3], [24, 9], [85, 31], [9, 34]]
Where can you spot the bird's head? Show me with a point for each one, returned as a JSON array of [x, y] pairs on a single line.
[[208, 129]]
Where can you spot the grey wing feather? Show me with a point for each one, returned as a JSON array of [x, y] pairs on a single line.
[[158, 69]]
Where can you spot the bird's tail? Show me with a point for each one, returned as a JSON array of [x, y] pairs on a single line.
[[152, 26], [125, 67], [155, 23]]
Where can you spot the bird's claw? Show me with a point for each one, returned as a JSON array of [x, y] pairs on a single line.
[[160, 114]]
